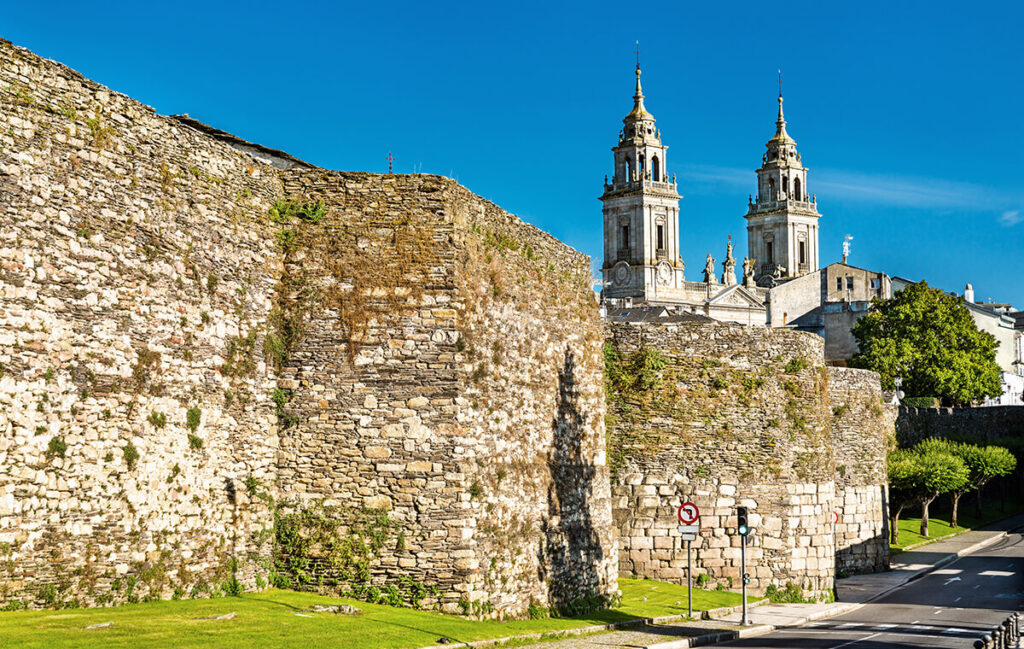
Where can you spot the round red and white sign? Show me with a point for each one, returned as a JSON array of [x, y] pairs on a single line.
[[836, 514], [688, 513]]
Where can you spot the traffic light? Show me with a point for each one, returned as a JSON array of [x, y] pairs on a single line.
[[742, 525], [746, 578]]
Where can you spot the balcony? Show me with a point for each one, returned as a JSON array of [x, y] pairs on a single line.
[[632, 185]]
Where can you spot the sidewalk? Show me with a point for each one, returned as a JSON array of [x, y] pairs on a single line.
[[851, 593]]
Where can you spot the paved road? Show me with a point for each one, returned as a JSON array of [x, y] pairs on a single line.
[[950, 607]]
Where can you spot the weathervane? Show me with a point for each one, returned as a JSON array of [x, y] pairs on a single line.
[[637, 50], [390, 159], [780, 82]]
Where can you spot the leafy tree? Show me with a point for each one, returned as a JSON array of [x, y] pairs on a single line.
[[928, 338], [942, 471], [983, 463], [904, 475]]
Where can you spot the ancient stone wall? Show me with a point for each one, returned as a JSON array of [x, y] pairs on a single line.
[[135, 277], [447, 369], [178, 358], [737, 416], [984, 424], [862, 433]]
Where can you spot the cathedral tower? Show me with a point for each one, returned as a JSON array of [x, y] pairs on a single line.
[[782, 222], [641, 214]]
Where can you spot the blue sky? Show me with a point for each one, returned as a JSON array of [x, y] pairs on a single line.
[[908, 114]]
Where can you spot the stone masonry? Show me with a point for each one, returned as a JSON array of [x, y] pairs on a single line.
[[741, 416], [442, 363]]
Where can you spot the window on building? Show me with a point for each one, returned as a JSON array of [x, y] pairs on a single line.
[[642, 166], [796, 190], [624, 239], [803, 252], [785, 187], [771, 192], [839, 283], [661, 237], [769, 249], [876, 283], [656, 170], [629, 170], [849, 283]]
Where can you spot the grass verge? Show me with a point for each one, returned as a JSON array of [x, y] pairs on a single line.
[[275, 618], [938, 521]]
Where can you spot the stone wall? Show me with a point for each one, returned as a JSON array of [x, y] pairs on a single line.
[[135, 277], [740, 416], [448, 371], [862, 432], [416, 351], [984, 424]]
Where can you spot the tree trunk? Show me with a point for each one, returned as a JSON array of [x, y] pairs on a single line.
[[924, 515], [894, 525], [977, 504], [956, 503]]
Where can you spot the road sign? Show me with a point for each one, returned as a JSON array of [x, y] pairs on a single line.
[[836, 514], [688, 529], [688, 537], [688, 513]]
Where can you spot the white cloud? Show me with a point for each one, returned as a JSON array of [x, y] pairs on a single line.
[[1010, 218], [884, 189]]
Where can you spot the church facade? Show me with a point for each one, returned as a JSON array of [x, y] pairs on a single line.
[[642, 262]]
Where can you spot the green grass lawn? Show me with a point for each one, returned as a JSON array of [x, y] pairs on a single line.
[[938, 519], [272, 619]]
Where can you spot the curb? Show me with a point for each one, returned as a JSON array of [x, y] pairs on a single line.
[[708, 614], [750, 631]]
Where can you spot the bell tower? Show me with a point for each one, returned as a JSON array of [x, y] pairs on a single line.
[[782, 221], [641, 214]]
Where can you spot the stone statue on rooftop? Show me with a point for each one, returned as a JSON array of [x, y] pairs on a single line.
[[709, 270]]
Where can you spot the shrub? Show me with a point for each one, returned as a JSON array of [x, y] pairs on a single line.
[[538, 612], [476, 489], [919, 402], [131, 455], [195, 442], [789, 594], [158, 419], [56, 447], [233, 587], [313, 211], [796, 364], [192, 418], [703, 579]]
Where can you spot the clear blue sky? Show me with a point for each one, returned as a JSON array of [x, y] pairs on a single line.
[[910, 115]]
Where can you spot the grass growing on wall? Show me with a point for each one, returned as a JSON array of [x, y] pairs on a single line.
[[275, 618]]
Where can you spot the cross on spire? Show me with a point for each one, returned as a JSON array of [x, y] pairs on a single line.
[[637, 51], [780, 82], [390, 160]]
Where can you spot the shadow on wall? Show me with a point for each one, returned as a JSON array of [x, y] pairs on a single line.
[[869, 555], [572, 552]]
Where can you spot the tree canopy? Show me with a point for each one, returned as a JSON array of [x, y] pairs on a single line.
[[928, 338], [921, 475]]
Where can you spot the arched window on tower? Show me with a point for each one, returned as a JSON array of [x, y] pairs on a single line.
[[655, 169], [771, 189], [796, 189], [629, 171], [643, 168], [785, 188]]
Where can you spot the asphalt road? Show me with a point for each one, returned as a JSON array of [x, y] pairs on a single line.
[[950, 607]]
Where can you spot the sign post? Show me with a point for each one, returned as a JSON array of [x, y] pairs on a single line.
[[689, 528], [743, 529]]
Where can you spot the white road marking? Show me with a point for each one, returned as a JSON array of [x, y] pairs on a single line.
[[849, 625], [948, 571], [937, 611], [957, 600], [882, 627], [996, 573], [951, 580], [955, 630], [847, 644]]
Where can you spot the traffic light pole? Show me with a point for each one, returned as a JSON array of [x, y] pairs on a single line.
[[743, 577], [689, 583]]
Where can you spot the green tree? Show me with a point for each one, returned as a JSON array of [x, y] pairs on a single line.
[[904, 475], [983, 463], [928, 338], [942, 471]]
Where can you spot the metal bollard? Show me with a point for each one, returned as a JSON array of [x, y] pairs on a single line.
[[979, 644], [1000, 637], [987, 639]]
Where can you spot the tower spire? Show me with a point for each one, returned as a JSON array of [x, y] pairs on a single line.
[[780, 123]]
